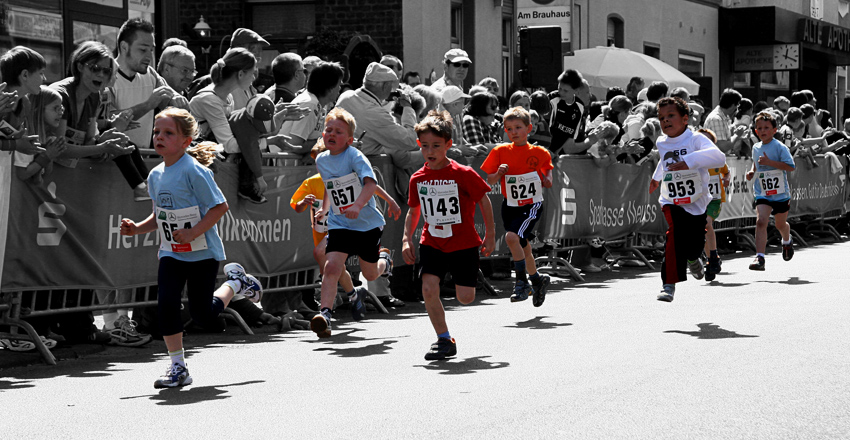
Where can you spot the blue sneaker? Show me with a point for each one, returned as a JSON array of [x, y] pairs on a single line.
[[521, 291], [176, 376], [358, 308], [251, 287], [667, 292]]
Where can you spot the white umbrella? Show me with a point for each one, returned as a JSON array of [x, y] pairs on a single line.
[[605, 67]]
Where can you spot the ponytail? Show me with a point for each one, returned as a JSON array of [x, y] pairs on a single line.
[[233, 62]]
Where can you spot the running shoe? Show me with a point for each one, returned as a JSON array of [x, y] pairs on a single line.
[[358, 308], [442, 349], [140, 193], [17, 345], [696, 269], [758, 263], [252, 197], [713, 266], [539, 290], [667, 291], [124, 333], [385, 254], [251, 287], [521, 291], [788, 251], [591, 268], [321, 326], [176, 376]]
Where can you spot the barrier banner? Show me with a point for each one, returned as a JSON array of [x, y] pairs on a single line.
[[587, 201], [64, 234], [739, 193]]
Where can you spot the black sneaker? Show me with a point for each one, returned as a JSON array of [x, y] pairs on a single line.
[[358, 308], [441, 349], [539, 290], [521, 291], [788, 251], [758, 263], [696, 269], [252, 197]]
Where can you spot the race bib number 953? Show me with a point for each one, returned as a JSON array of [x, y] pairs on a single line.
[[682, 187]]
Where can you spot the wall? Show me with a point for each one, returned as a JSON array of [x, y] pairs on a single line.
[[426, 35], [223, 16], [487, 53], [380, 19]]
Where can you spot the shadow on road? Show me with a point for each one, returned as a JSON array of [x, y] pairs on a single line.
[[368, 350], [6, 385], [190, 394], [708, 330], [793, 281], [465, 366], [537, 323]]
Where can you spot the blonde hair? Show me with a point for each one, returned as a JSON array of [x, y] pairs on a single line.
[[709, 134], [519, 113], [344, 116], [40, 101], [204, 152]]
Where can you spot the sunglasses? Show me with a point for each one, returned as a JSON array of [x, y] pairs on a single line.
[[95, 69], [464, 65]]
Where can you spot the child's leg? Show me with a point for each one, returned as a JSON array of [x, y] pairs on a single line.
[[518, 257], [684, 242], [762, 219], [710, 237], [319, 256], [781, 223], [465, 294], [334, 267], [171, 280], [431, 296], [206, 301], [530, 265]]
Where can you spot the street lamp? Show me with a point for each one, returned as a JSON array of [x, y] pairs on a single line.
[[202, 28]]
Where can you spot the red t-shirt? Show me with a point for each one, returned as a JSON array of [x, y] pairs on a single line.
[[520, 160], [471, 187]]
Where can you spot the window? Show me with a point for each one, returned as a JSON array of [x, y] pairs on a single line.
[[615, 31], [652, 50], [741, 80], [457, 24], [692, 65], [779, 80], [507, 42]]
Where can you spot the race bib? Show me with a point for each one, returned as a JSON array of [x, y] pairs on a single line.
[[772, 182], [523, 189], [440, 205], [682, 187], [343, 192], [319, 225], [714, 186], [170, 220]]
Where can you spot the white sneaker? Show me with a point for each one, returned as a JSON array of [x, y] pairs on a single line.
[[140, 193], [124, 333], [251, 287]]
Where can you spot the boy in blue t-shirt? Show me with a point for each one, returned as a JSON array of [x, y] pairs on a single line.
[[354, 222], [771, 189]]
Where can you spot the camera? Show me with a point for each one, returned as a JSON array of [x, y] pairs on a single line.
[[395, 95]]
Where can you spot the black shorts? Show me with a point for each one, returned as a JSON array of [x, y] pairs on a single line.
[[247, 310], [365, 244], [462, 264], [778, 207], [521, 219]]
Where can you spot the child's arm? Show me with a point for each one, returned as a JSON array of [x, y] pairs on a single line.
[[653, 185], [410, 223], [305, 203], [494, 178], [546, 181], [130, 228], [751, 172], [489, 225], [392, 207], [366, 193], [210, 219], [53, 149]]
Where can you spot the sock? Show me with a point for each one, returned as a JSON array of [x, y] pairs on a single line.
[[236, 285], [326, 312], [786, 242], [177, 357], [670, 287], [713, 254], [352, 296], [535, 279], [760, 254], [445, 335], [692, 261], [519, 267]]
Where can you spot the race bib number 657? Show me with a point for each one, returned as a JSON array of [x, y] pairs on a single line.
[[343, 192]]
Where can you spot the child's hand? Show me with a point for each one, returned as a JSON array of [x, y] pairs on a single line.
[[546, 182], [128, 227], [764, 160], [725, 180], [653, 185], [393, 209], [503, 169], [352, 212], [308, 200], [678, 166], [750, 174], [115, 147], [407, 252], [54, 147], [184, 235], [488, 246], [320, 215]]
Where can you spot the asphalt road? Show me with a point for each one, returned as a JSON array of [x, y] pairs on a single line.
[[753, 355]]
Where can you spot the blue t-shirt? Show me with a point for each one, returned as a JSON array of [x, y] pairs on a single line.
[[185, 184], [775, 150], [350, 161]]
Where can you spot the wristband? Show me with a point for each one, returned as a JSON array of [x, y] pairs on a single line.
[[43, 160]]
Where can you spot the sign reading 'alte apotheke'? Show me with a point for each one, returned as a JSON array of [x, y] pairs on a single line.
[[825, 35]]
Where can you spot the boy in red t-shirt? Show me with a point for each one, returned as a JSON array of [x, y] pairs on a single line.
[[530, 168], [446, 194]]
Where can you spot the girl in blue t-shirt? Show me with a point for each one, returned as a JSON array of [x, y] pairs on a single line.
[[187, 204]]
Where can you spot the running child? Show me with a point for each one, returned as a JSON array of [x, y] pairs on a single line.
[[685, 159], [446, 193], [718, 180], [187, 205], [771, 163], [530, 168], [355, 224]]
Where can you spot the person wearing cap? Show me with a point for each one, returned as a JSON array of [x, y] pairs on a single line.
[[453, 101], [322, 90], [456, 63], [383, 133], [248, 125]]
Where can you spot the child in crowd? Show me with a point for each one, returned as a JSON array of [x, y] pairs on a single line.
[[530, 168], [446, 194], [718, 180], [46, 114], [248, 125], [605, 151], [22, 69], [686, 157], [354, 223], [183, 188], [771, 190]]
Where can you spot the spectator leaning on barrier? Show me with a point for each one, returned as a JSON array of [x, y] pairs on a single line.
[[290, 76], [719, 120], [454, 101], [177, 67], [479, 118], [567, 121], [45, 116], [322, 90], [412, 79], [23, 70], [635, 85], [456, 64]]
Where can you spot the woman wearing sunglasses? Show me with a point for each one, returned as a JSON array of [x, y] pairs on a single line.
[[456, 63], [90, 70]]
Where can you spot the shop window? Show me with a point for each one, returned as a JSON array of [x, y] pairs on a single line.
[[37, 25], [779, 80], [457, 24], [741, 80], [692, 65], [652, 50], [615, 31], [507, 42]]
